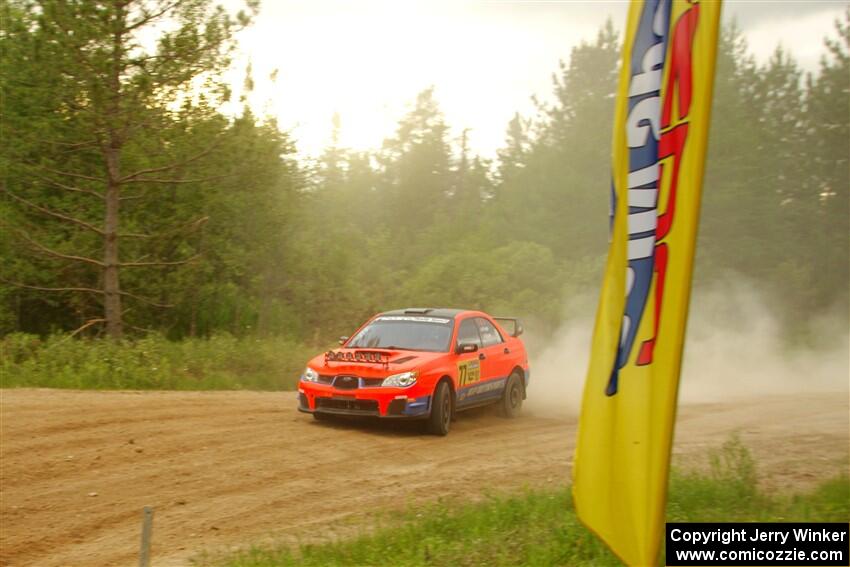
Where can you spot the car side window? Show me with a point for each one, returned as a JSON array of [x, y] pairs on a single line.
[[467, 333], [489, 334]]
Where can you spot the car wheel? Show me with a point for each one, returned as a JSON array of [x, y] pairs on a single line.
[[318, 416], [441, 410], [512, 399]]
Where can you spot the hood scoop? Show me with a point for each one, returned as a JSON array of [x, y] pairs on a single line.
[[402, 360]]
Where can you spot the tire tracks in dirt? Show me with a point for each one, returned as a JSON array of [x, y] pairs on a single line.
[[231, 468]]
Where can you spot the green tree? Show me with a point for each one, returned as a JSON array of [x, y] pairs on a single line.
[[827, 160], [417, 167], [95, 119], [512, 158], [740, 200], [559, 197]]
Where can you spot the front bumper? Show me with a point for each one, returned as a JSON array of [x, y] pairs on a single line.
[[413, 402]]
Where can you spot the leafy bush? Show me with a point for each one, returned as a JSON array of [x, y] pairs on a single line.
[[221, 362]]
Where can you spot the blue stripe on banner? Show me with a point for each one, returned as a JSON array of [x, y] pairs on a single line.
[[643, 131]]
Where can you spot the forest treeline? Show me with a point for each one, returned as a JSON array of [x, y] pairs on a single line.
[[130, 203]]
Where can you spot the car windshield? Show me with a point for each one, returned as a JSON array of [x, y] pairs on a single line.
[[406, 333]]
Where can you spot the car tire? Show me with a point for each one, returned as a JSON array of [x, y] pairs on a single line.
[[319, 416], [512, 398], [441, 410]]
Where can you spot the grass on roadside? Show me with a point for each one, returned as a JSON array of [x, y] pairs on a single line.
[[540, 528], [221, 362]]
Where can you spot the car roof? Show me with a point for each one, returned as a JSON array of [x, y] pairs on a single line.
[[428, 311]]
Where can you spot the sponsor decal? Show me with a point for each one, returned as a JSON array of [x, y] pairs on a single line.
[[357, 356], [482, 388], [439, 320], [468, 371]]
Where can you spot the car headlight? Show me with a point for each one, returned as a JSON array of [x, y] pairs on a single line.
[[310, 375], [402, 380]]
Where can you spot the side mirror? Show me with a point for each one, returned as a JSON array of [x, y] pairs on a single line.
[[466, 347], [342, 340], [518, 329]]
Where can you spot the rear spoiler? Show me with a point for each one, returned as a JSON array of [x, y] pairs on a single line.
[[515, 327]]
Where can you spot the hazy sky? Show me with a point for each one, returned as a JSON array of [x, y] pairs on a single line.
[[367, 60]]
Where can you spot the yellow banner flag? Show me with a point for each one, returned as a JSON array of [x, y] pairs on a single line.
[[629, 405]]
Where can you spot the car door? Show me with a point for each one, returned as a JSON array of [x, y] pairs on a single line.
[[496, 357], [470, 367]]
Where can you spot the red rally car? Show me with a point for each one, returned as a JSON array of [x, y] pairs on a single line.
[[420, 363]]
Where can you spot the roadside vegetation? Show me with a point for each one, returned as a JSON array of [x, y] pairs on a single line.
[[540, 527], [220, 362]]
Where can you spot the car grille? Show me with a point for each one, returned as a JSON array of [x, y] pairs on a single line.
[[348, 405], [346, 382]]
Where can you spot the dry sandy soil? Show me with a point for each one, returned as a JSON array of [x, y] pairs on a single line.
[[228, 468]]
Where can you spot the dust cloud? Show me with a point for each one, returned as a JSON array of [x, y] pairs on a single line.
[[735, 348]]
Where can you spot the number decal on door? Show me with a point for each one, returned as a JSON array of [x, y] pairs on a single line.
[[468, 372]]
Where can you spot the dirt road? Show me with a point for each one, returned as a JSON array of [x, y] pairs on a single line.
[[228, 468]]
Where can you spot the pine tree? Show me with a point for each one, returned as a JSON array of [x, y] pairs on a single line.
[[97, 121]]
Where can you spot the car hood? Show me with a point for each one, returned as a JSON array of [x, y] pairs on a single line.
[[361, 361]]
